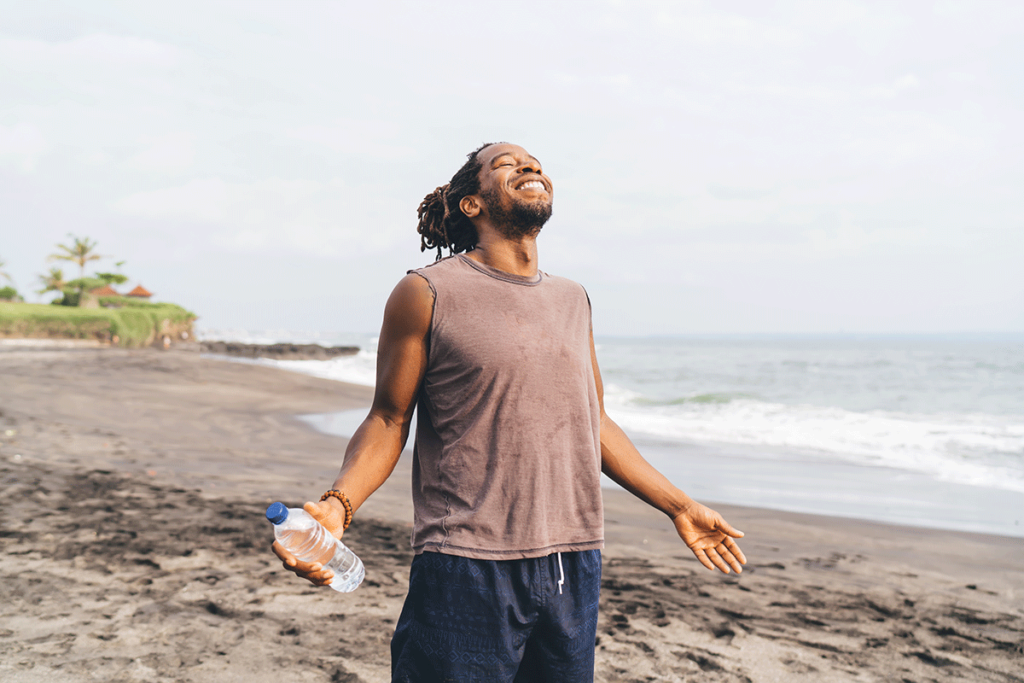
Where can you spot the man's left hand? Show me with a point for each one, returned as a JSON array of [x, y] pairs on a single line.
[[710, 538]]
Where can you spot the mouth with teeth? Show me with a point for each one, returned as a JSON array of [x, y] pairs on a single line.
[[532, 185]]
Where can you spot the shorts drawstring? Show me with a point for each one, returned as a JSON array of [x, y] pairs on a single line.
[[561, 574]]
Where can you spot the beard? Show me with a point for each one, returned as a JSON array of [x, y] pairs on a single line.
[[522, 219]]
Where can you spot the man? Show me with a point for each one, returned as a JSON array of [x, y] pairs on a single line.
[[511, 440]]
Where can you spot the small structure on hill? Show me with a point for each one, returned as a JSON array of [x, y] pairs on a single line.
[[140, 292], [105, 290]]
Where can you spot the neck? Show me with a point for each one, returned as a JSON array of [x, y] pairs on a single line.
[[514, 256]]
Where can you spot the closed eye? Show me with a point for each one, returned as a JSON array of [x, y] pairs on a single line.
[[504, 160]]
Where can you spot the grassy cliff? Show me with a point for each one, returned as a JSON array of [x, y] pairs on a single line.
[[135, 324]]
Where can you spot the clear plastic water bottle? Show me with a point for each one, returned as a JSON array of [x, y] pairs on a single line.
[[309, 541]]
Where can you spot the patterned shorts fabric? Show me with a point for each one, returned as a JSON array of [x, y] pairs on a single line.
[[498, 621]]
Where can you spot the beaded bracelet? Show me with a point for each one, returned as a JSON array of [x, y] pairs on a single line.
[[335, 493]]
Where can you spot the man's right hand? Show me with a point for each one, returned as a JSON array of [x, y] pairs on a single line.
[[331, 514]]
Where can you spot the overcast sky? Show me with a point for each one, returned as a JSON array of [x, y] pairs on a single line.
[[718, 167]]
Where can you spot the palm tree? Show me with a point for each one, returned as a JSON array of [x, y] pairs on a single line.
[[81, 252], [3, 273], [52, 281]]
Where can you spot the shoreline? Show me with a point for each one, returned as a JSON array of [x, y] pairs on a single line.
[[184, 452], [276, 351], [798, 478], [727, 474]]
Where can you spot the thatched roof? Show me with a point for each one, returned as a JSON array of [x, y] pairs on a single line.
[[140, 292], [105, 290]]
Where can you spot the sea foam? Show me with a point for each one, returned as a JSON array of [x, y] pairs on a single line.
[[969, 447], [976, 449]]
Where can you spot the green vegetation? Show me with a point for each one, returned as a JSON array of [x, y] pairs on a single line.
[[135, 325], [80, 252], [113, 278], [52, 281], [73, 290], [132, 302], [79, 314]]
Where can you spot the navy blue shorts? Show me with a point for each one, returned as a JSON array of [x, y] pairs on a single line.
[[498, 621]]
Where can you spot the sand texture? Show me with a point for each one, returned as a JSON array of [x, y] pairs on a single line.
[[133, 548]]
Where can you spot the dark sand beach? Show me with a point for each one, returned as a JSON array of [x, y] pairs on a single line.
[[133, 548]]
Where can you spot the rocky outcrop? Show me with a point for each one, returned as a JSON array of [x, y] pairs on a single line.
[[278, 351], [173, 333]]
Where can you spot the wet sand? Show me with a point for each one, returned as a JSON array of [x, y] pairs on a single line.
[[133, 548]]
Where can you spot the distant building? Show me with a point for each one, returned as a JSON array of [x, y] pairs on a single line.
[[140, 292], [105, 290]]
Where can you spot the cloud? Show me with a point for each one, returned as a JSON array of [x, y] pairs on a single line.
[[89, 52], [316, 218], [729, 193], [732, 142], [353, 136], [894, 89], [847, 237], [22, 145], [724, 29], [168, 153]]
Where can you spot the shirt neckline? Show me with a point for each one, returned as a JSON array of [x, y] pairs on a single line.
[[502, 275]]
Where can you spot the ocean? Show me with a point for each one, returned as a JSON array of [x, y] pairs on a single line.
[[917, 430]]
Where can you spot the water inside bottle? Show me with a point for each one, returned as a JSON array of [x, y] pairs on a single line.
[[309, 545], [310, 542]]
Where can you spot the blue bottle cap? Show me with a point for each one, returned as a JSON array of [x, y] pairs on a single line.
[[277, 513]]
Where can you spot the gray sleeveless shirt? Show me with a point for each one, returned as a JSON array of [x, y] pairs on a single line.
[[507, 459]]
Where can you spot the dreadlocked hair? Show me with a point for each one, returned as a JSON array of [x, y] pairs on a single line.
[[442, 225]]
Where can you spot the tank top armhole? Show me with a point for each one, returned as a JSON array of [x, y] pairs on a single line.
[[590, 308], [433, 308]]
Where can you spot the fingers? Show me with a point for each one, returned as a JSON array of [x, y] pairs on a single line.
[[316, 511], [725, 557], [320, 577], [313, 572], [324, 513], [729, 557], [285, 556], [711, 559], [710, 538], [734, 548], [702, 557], [716, 559], [729, 529]]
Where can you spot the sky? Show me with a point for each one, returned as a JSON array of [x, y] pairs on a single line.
[[740, 167]]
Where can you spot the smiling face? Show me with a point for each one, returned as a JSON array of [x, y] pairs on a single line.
[[516, 194]]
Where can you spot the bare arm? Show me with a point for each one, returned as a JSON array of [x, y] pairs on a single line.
[[702, 529], [374, 449]]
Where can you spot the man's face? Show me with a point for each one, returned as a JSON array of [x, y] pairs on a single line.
[[514, 189]]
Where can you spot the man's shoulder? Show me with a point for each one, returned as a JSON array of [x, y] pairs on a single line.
[[456, 268], [439, 266], [565, 283], [561, 279], [442, 263]]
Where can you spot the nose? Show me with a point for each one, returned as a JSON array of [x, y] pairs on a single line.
[[531, 166]]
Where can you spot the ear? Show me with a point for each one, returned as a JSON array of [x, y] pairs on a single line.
[[470, 206]]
